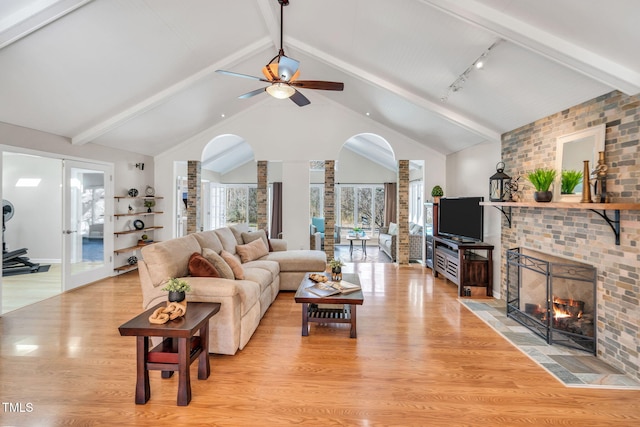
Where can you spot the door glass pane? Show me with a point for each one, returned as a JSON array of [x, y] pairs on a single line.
[[379, 207], [347, 207], [87, 220], [364, 208]]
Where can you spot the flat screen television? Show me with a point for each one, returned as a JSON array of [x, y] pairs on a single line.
[[461, 218]]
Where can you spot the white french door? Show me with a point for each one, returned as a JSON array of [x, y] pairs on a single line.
[[87, 242]]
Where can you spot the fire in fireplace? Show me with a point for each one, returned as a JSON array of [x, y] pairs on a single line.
[[534, 281]]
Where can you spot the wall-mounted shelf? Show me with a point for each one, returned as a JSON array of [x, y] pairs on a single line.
[[138, 197], [598, 208], [119, 233], [128, 243], [138, 214]]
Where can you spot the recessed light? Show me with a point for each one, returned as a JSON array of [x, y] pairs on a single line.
[[222, 115], [368, 114]]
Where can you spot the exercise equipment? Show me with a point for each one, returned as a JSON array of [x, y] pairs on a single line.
[[14, 262]]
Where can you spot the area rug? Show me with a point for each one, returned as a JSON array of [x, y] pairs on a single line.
[[573, 368]]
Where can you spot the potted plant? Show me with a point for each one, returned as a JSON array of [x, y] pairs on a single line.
[[569, 180], [336, 268], [542, 178], [177, 288], [436, 193], [149, 204]]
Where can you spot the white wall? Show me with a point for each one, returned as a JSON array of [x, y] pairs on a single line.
[[280, 132], [295, 204], [468, 173], [37, 221], [42, 144]]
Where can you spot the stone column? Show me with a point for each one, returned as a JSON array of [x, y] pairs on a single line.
[[263, 209], [329, 207], [403, 212], [194, 216]]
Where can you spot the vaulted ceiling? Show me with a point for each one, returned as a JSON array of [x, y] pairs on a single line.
[[140, 75]]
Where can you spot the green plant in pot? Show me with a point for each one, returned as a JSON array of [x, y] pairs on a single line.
[[177, 288], [542, 178], [569, 180], [336, 268], [436, 193]]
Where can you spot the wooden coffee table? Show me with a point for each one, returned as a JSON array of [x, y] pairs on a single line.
[[176, 352], [343, 309]]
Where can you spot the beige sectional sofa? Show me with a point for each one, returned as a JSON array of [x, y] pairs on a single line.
[[245, 301]]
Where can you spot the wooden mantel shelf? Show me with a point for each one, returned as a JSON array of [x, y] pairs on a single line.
[[614, 222]]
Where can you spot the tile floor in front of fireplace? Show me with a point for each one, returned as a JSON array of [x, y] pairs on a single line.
[[574, 368]]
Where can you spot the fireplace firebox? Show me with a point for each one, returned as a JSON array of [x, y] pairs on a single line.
[[554, 297]]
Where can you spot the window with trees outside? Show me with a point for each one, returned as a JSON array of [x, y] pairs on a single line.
[[234, 204], [360, 206], [416, 211]]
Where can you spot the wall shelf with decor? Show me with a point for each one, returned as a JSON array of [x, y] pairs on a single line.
[[601, 209], [129, 240]]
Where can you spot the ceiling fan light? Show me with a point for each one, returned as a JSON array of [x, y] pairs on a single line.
[[281, 90]]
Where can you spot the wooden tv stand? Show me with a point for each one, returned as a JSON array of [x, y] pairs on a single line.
[[459, 262]]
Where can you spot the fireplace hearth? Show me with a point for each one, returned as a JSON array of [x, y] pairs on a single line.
[[553, 297]]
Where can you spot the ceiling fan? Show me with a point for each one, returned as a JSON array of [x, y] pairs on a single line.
[[282, 73]]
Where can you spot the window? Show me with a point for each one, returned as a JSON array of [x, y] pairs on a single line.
[[316, 197], [234, 204], [416, 189], [360, 206]]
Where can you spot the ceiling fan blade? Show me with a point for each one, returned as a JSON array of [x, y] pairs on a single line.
[[287, 67], [245, 76], [318, 84], [299, 99], [252, 93]]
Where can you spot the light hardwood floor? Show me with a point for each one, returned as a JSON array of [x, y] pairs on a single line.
[[420, 359]]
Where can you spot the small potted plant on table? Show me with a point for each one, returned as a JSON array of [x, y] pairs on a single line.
[[177, 288], [436, 193], [336, 269]]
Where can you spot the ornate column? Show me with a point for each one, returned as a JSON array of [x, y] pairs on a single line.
[[194, 217]]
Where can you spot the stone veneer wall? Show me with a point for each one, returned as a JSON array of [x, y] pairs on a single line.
[[194, 168], [262, 195], [583, 235], [403, 212], [329, 207]]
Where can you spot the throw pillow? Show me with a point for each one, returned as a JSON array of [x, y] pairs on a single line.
[[252, 251], [219, 263], [393, 228], [235, 265], [200, 267], [260, 234]]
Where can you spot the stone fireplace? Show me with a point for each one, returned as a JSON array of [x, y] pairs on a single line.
[[582, 235], [553, 297]]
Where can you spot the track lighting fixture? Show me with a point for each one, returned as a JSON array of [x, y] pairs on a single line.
[[478, 64]]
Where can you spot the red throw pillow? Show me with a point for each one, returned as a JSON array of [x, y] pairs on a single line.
[[200, 267]]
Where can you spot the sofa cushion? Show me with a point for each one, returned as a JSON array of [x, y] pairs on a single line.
[[393, 228], [235, 265], [299, 260], [237, 231], [252, 251], [209, 239], [227, 239], [260, 234], [219, 263], [271, 266], [170, 258], [199, 266], [260, 276]]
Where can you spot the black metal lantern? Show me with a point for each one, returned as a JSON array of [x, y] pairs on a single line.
[[499, 185]]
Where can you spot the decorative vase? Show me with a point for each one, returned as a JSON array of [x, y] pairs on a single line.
[[543, 196], [336, 273], [586, 187], [176, 296], [149, 209]]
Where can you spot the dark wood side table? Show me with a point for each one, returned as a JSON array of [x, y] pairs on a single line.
[[179, 348], [312, 312]]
